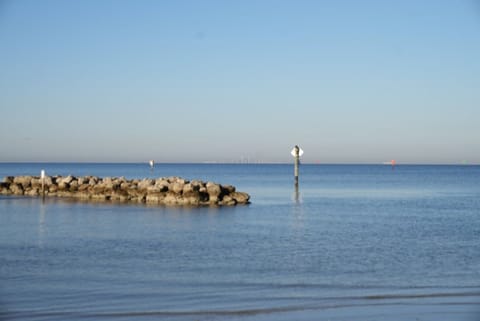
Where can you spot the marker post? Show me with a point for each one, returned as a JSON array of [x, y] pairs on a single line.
[[296, 153], [42, 177]]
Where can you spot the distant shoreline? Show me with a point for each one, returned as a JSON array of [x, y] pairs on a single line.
[[239, 163]]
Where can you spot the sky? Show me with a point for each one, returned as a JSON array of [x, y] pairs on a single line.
[[240, 80]]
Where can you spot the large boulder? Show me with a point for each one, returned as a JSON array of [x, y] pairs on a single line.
[[145, 183], [177, 187], [16, 189], [228, 200], [47, 181], [241, 197], [171, 199], [23, 180], [5, 188], [66, 180], [214, 191], [74, 186], [156, 197], [162, 185]]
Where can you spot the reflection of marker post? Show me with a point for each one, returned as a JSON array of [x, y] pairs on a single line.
[[297, 163], [42, 176], [296, 153]]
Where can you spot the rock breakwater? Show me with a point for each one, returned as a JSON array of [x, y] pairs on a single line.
[[162, 191]]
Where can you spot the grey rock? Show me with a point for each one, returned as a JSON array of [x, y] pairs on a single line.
[[16, 189], [177, 187], [23, 180], [241, 197]]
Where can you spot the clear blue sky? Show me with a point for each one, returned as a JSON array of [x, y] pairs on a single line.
[[191, 81]]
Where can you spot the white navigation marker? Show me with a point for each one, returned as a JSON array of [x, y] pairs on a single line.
[[152, 163], [42, 177], [296, 153], [300, 152]]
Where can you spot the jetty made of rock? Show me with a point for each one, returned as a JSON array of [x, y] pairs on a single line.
[[161, 191]]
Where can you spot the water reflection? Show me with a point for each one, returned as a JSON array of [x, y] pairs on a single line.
[[296, 195], [297, 206], [41, 224]]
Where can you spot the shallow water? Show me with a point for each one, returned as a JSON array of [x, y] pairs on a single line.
[[353, 243]]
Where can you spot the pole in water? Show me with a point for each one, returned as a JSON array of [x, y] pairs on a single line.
[[42, 176], [296, 153], [152, 164]]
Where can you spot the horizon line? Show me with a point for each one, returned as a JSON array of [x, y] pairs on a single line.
[[242, 163]]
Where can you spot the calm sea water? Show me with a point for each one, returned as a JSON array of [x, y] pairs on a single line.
[[352, 243]]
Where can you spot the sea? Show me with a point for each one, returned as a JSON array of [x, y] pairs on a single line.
[[350, 242]]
